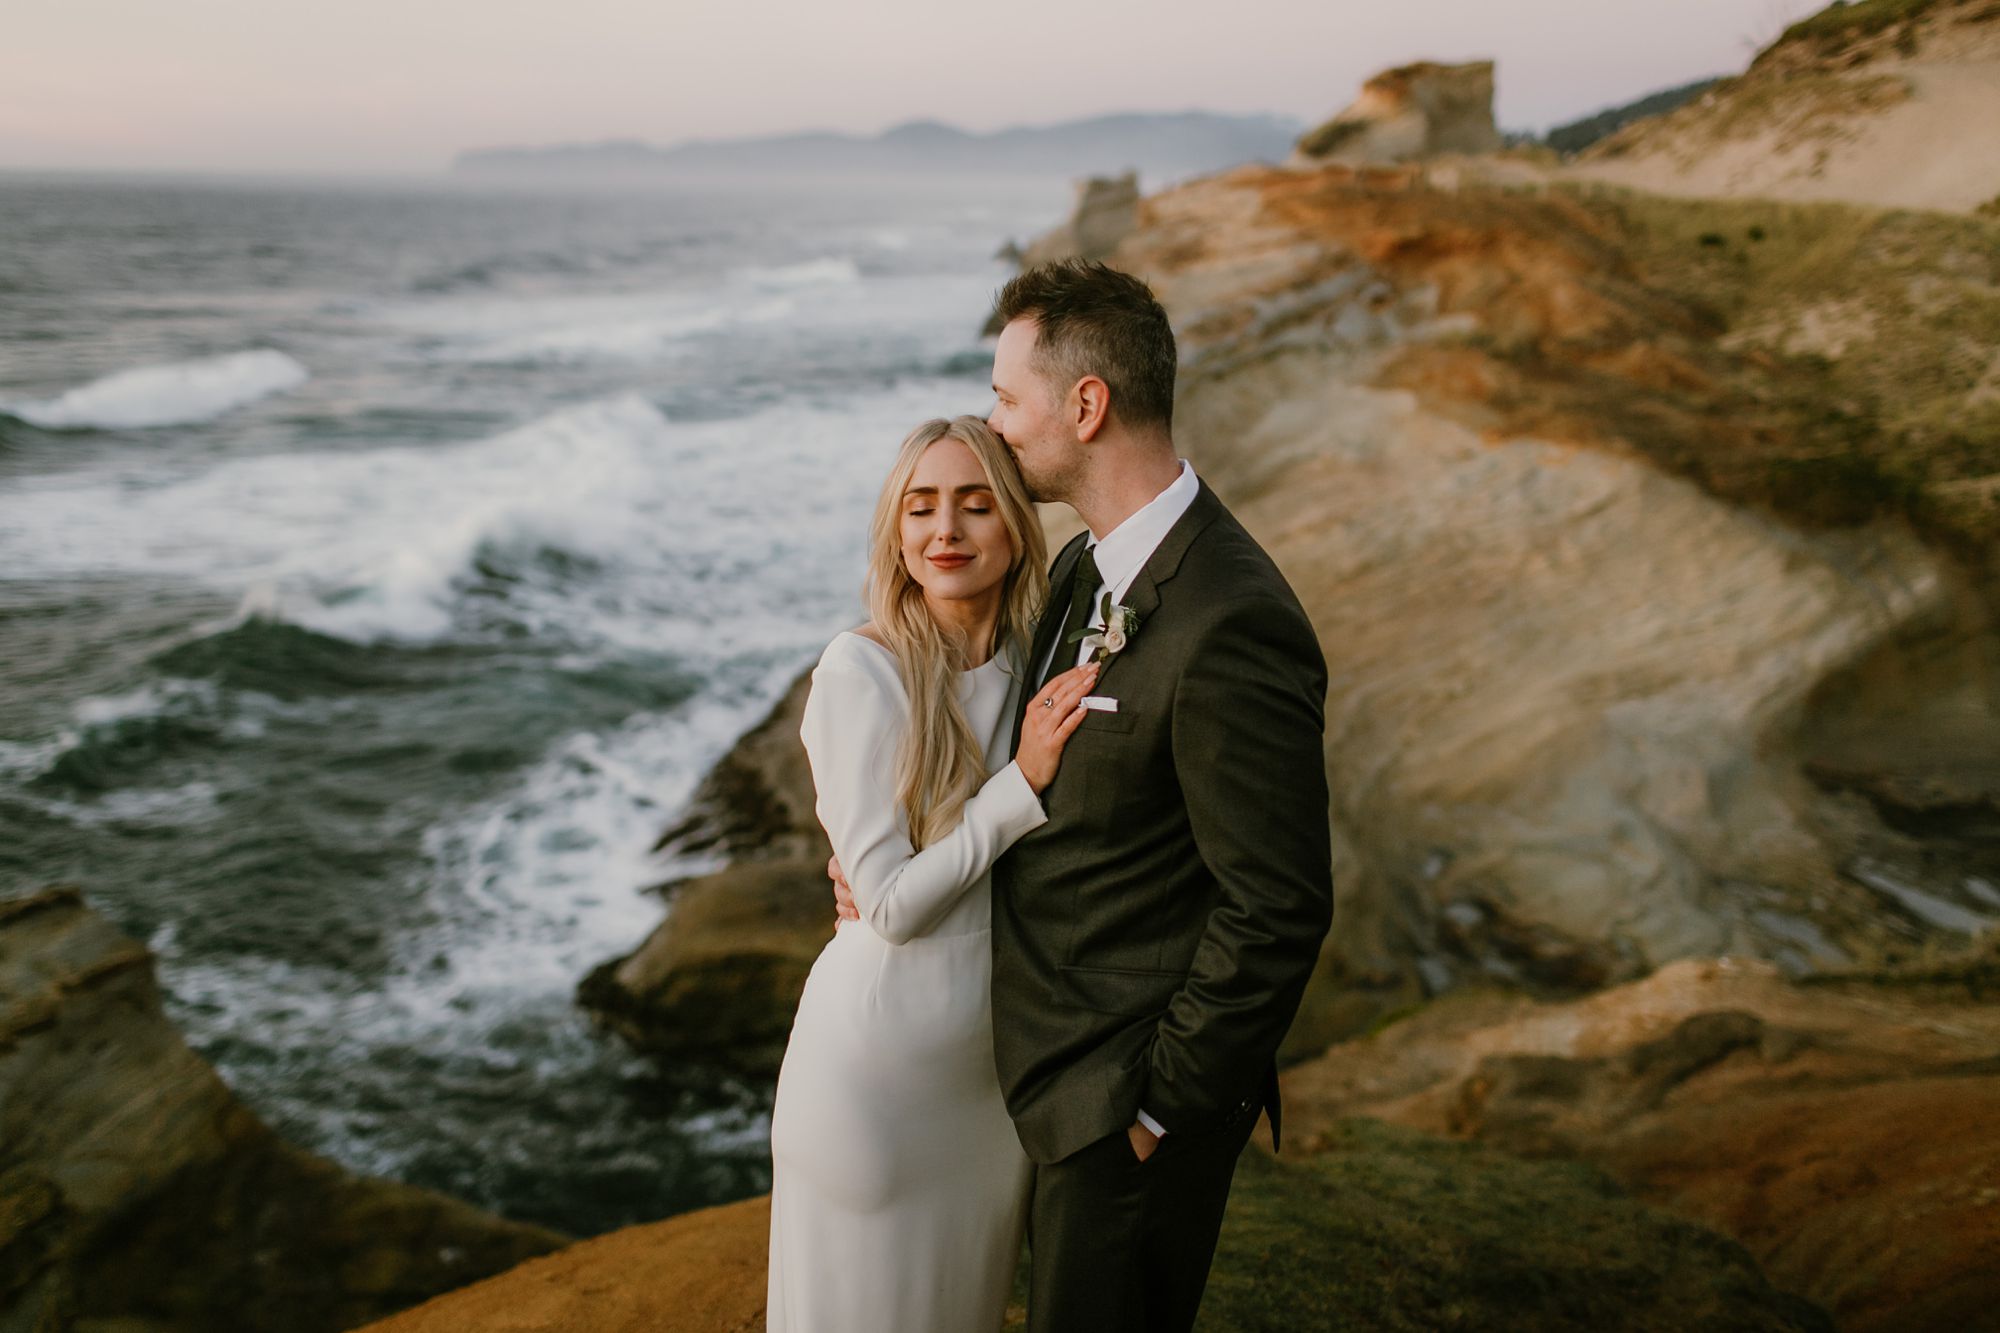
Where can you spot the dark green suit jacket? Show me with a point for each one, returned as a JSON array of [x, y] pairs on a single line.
[[1152, 940]]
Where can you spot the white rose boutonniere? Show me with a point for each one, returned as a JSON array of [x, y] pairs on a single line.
[[1120, 624]]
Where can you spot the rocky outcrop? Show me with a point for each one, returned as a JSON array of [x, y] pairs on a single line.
[[1411, 112], [719, 979], [1876, 103], [37, 1284], [1840, 1129], [1385, 1228], [758, 801], [1106, 210], [136, 1191]]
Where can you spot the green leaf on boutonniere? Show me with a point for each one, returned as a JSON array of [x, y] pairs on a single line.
[[1120, 624]]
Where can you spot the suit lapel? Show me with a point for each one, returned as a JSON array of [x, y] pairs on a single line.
[[1143, 597], [1047, 624]]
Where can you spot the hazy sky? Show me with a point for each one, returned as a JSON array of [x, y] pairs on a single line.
[[402, 85]]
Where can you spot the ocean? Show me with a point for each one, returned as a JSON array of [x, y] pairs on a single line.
[[381, 567]]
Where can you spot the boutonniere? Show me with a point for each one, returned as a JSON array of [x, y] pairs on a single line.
[[1120, 624]]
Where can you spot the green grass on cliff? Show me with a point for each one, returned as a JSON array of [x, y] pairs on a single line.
[[1929, 968], [1881, 330], [1842, 22], [1394, 1230]]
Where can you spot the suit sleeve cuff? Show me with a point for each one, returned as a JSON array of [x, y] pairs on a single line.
[[1159, 1130]]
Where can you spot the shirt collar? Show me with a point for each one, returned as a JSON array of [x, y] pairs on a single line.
[[1123, 551]]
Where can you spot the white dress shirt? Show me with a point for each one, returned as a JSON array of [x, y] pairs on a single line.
[[1120, 554]]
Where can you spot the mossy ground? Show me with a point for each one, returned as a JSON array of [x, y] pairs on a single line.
[[1391, 1229], [1843, 22], [1898, 411], [1931, 969], [1802, 107]]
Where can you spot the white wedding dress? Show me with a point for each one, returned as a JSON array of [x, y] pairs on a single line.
[[899, 1187]]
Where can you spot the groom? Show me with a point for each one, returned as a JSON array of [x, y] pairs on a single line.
[[1151, 941]]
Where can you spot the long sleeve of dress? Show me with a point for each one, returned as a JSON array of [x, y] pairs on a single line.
[[855, 716]]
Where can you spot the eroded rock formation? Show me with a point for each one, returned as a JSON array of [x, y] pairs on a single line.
[[719, 978], [137, 1192], [1840, 1129], [1106, 210], [1410, 112]]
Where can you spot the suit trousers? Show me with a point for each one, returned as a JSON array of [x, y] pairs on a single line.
[[1117, 1245]]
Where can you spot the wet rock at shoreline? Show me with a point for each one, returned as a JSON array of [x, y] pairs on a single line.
[[136, 1190], [719, 979]]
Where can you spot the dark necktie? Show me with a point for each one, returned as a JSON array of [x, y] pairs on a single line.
[[1083, 582]]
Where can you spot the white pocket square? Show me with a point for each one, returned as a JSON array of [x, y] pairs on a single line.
[[1103, 703]]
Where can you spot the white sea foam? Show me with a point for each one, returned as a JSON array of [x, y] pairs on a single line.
[[150, 700], [161, 807], [600, 532], [555, 330], [24, 759], [165, 395], [240, 714], [183, 804], [529, 891], [696, 534], [544, 881], [811, 273]]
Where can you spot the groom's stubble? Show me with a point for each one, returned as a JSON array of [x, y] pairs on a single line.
[[1055, 476], [1038, 486]]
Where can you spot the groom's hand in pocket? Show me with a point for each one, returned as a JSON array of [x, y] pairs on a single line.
[[1144, 1140], [843, 894]]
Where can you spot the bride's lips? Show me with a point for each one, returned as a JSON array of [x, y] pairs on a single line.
[[949, 561]]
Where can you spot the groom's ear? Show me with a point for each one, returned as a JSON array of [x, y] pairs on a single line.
[[1090, 407]]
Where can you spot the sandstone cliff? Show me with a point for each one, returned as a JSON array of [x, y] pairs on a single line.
[[137, 1193], [1886, 102]]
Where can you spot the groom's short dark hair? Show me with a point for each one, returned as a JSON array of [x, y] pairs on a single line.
[[1091, 319]]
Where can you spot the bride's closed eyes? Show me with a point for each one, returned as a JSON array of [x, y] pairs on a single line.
[[922, 501]]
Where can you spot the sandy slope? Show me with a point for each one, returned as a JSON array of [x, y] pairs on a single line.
[[1896, 118]]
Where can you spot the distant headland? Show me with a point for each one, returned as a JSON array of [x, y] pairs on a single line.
[[1158, 145]]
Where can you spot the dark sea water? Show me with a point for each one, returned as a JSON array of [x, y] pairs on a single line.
[[381, 567]]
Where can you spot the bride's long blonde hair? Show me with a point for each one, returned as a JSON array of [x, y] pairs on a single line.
[[941, 763]]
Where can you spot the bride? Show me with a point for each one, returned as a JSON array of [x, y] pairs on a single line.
[[899, 1186]]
